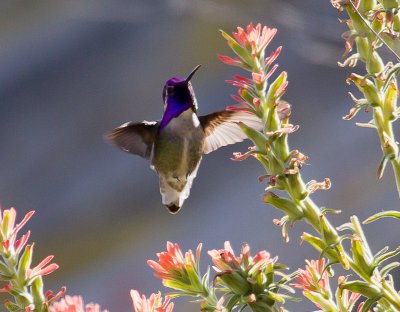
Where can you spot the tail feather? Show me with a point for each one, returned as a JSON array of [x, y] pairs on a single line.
[[172, 198], [175, 191]]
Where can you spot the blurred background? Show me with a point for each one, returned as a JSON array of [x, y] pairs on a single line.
[[72, 70]]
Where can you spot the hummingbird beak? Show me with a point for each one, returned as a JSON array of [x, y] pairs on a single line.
[[192, 73]]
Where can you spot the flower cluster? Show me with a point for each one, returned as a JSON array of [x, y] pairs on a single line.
[[74, 304], [371, 25], [249, 280], [243, 281], [283, 166], [23, 282], [178, 271], [314, 281], [153, 304]]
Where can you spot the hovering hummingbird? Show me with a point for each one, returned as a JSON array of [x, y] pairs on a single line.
[[175, 145]]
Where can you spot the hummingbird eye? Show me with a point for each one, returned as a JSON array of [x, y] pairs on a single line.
[[170, 90]]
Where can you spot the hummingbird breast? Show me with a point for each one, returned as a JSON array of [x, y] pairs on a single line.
[[178, 150]]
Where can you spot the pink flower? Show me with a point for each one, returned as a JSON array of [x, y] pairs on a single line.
[[74, 304], [314, 278], [172, 261], [225, 259], [178, 271], [8, 236], [273, 56], [153, 304], [257, 38], [42, 268]]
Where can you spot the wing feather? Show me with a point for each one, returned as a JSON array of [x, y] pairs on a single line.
[[221, 128], [134, 138]]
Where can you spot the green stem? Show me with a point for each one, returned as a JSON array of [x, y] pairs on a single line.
[[396, 170]]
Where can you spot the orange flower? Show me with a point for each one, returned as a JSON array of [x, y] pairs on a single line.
[[153, 304]]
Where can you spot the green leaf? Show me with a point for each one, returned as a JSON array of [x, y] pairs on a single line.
[[378, 260], [363, 288], [238, 49], [382, 166], [381, 252], [11, 306], [25, 261], [383, 214], [387, 268], [368, 304], [284, 204], [257, 137], [233, 301], [345, 226]]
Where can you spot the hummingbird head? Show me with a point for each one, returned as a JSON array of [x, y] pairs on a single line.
[[178, 96]]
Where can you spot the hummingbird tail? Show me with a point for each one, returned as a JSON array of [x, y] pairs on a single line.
[[172, 208]]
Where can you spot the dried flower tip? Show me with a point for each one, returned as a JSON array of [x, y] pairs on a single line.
[[283, 109], [286, 129], [238, 156], [313, 185]]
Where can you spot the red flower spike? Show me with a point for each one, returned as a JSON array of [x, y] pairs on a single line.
[[41, 269], [172, 265], [242, 79], [270, 73], [256, 102], [50, 297], [274, 55], [258, 78], [19, 244], [6, 244], [257, 38], [230, 61], [24, 221], [7, 288], [225, 259], [239, 84], [314, 278], [282, 88], [238, 99]]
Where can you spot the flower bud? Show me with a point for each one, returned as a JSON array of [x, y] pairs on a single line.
[[367, 87], [374, 63], [390, 103]]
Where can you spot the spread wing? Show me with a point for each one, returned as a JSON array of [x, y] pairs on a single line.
[[221, 128], [134, 138]]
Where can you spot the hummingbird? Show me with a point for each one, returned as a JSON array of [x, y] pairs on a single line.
[[175, 145]]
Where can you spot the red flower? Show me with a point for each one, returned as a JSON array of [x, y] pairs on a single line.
[[314, 278], [9, 231], [178, 271], [230, 61], [153, 304], [74, 304], [42, 268], [257, 38]]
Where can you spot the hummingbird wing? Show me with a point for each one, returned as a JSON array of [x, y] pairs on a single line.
[[221, 128], [134, 138]]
